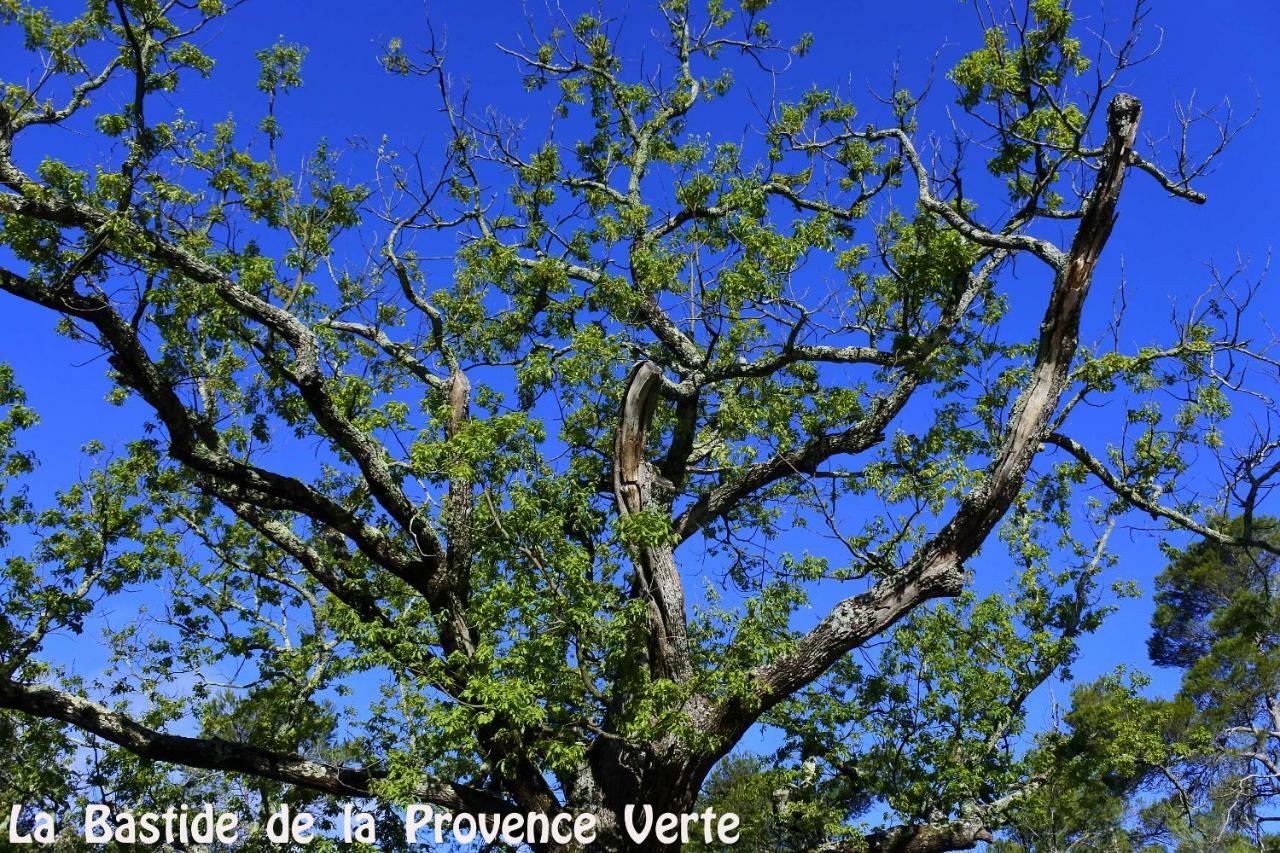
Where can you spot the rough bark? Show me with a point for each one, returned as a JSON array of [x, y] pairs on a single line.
[[960, 835], [937, 569], [638, 486]]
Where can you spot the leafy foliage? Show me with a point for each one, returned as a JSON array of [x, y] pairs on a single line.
[[538, 526]]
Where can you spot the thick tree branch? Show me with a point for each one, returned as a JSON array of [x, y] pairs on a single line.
[[937, 568], [218, 754], [638, 487], [925, 838]]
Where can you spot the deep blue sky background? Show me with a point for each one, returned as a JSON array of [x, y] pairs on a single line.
[[1214, 50]]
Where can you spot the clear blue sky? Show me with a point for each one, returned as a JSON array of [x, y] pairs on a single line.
[[1210, 49]]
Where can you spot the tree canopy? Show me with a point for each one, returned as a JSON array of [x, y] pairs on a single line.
[[531, 468]]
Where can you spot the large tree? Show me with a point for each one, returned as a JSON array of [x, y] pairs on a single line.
[[520, 531]]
